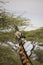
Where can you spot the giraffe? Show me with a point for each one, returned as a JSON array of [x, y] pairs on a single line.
[[23, 56]]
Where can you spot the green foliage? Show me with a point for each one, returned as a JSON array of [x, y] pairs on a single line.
[[36, 62], [9, 57], [39, 54], [7, 36], [8, 21], [36, 35], [39, 59]]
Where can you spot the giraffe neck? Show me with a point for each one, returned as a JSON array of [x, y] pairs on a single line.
[[23, 56]]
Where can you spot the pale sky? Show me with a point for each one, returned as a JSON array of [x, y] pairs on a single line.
[[32, 9]]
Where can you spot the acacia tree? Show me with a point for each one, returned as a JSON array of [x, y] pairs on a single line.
[[9, 22]]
